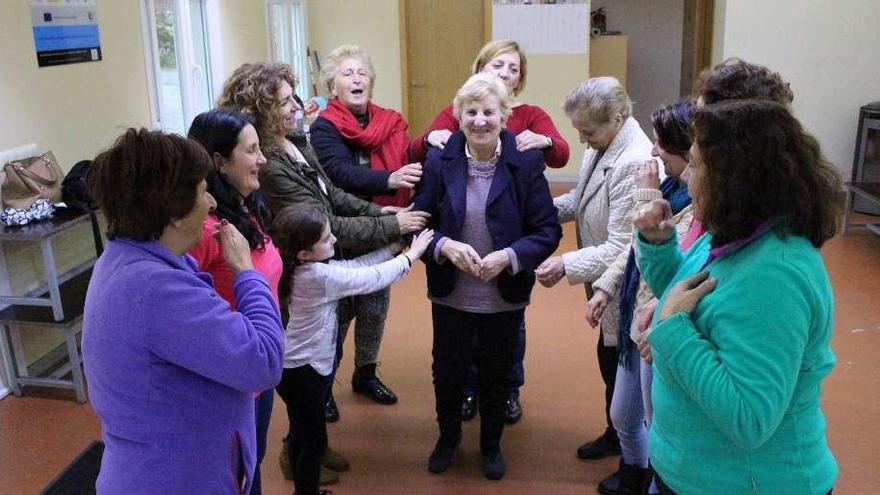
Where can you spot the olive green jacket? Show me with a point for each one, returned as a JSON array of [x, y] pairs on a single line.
[[358, 225]]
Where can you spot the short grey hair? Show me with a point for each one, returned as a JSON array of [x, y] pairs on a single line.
[[598, 100], [477, 88], [340, 53]]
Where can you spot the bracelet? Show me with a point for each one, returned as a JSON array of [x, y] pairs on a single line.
[[408, 261]]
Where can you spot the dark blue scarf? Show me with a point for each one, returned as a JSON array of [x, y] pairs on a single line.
[[677, 194]]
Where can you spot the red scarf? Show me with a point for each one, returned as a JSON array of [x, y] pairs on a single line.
[[385, 138]]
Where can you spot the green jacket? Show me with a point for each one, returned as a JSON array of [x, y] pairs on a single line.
[[358, 225], [737, 382]]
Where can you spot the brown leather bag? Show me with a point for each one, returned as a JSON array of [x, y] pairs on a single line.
[[30, 179]]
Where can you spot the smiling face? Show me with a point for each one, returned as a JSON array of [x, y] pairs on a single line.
[[287, 107], [674, 165], [352, 85], [481, 123], [595, 136], [505, 66], [242, 167]]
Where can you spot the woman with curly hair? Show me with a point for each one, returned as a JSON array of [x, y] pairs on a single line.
[[293, 176], [740, 341]]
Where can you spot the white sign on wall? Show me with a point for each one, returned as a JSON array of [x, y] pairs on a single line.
[[543, 28]]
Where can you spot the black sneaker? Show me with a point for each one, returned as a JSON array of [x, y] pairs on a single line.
[[331, 412], [606, 445], [493, 465], [365, 382], [469, 406], [512, 409]]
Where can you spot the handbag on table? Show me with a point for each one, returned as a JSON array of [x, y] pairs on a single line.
[[29, 187]]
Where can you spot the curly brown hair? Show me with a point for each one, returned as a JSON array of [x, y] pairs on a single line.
[[760, 165], [736, 79], [251, 90]]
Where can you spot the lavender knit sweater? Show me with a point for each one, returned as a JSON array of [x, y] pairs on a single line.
[[470, 293]]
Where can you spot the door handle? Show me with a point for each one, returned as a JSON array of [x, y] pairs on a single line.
[[417, 84]]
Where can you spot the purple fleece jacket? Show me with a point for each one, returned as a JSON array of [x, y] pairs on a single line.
[[172, 371]]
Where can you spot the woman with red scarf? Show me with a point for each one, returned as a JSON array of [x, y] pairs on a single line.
[[363, 147]]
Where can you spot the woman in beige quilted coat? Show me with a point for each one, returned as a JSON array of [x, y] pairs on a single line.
[[601, 205]]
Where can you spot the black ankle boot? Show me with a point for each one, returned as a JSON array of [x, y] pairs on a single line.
[[365, 382], [634, 480]]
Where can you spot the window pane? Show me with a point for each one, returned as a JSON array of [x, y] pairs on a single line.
[[170, 102], [201, 58]]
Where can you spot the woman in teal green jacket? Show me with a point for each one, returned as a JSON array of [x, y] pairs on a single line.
[[741, 340]]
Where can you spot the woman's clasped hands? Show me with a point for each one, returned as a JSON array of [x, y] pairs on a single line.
[[466, 259]]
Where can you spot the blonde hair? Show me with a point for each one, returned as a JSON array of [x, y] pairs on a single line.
[[340, 53], [494, 48], [252, 90], [598, 100], [477, 88]]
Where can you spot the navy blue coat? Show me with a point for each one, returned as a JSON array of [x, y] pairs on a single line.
[[519, 212]]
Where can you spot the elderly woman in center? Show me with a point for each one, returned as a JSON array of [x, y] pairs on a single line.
[[601, 205], [533, 129], [362, 146], [495, 223]]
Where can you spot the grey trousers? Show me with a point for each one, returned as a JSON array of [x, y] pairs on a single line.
[[368, 312]]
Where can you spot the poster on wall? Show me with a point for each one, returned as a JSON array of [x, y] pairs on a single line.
[[65, 31]]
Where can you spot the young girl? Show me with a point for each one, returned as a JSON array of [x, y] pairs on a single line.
[[312, 290]]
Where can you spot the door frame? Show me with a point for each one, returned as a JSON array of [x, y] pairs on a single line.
[[696, 45], [404, 66]]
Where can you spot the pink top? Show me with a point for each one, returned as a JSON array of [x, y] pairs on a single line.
[[693, 233], [522, 117], [209, 256]]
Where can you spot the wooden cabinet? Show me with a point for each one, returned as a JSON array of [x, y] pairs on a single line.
[[608, 56]]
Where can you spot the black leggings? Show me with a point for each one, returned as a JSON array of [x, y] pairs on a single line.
[[304, 391]]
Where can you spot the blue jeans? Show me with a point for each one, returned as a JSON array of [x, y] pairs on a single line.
[[263, 415], [515, 378], [628, 412]]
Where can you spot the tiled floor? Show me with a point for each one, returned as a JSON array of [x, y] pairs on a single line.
[[388, 445]]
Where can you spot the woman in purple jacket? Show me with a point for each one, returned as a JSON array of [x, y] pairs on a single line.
[[172, 370]]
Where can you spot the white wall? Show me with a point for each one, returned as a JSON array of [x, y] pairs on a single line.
[[373, 25], [72, 109], [828, 51], [654, 59]]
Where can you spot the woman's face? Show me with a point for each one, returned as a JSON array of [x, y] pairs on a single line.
[[288, 107], [190, 224], [696, 178], [242, 167], [596, 136], [506, 67], [673, 164], [481, 122], [352, 85], [321, 250]]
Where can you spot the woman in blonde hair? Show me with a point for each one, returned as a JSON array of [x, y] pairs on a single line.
[[362, 146], [533, 129]]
